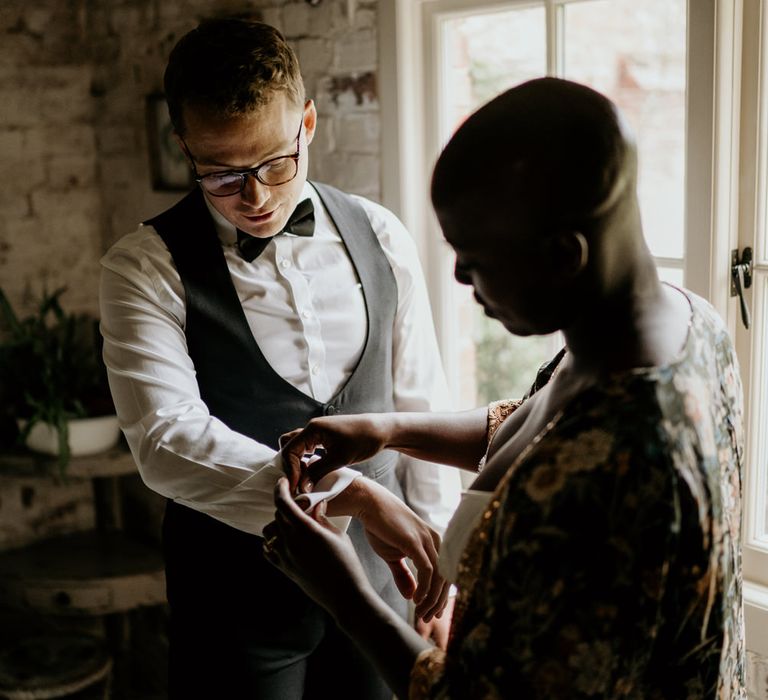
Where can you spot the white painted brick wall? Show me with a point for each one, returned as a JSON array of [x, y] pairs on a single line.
[[360, 132], [356, 51], [296, 20], [315, 55], [66, 172]]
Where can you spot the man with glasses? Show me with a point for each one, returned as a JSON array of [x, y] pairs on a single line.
[[257, 302]]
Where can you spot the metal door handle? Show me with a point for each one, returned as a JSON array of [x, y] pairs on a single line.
[[741, 279]]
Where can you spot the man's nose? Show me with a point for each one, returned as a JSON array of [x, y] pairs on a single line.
[[254, 193]]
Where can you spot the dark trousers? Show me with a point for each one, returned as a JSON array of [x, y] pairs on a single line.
[[241, 630]]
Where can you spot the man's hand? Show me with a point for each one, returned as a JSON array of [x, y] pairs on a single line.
[[394, 532], [344, 440]]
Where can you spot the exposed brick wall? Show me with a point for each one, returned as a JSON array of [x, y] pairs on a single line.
[[49, 199], [74, 75], [73, 79]]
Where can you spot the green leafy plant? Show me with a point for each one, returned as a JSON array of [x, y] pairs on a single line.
[[51, 369], [506, 364]]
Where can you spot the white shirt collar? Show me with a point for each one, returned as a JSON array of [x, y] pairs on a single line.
[[227, 232]]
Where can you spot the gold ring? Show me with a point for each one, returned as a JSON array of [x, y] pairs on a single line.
[[269, 542]]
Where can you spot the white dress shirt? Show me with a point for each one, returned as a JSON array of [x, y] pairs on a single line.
[[305, 307]]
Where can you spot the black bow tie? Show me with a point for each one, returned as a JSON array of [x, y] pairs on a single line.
[[300, 223]]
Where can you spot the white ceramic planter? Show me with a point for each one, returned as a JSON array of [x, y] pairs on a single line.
[[87, 436]]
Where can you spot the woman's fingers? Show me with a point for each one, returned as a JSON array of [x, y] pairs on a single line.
[[288, 511], [289, 515], [295, 446], [285, 438], [270, 531], [344, 439], [288, 530], [318, 513], [305, 461]]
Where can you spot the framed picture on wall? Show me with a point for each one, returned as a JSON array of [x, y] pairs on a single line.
[[169, 169]]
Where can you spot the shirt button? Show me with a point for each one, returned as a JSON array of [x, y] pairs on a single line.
[[315, 369], [330, 409], [285, 263], [306, 314]]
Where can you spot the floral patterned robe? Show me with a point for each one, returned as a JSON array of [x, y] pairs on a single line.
[[608, 562]]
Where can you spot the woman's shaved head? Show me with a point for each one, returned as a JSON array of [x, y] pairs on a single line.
[[557, 150]]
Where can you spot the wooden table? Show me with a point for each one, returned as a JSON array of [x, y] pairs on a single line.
[[115, 462]]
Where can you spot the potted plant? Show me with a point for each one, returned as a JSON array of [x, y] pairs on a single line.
[[52, 379]]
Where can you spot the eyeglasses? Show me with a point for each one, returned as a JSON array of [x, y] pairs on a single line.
[[273, 172]]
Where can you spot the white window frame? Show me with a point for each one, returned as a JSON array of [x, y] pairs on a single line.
[[714, 210], [408, 60], [752, 221]]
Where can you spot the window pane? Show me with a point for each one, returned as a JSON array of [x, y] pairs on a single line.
[[506, 364], [639, 62], [673, 275], [487, 53], [759, 469], [484, 54]]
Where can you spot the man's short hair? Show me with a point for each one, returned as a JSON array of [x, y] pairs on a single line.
[[230, 66]]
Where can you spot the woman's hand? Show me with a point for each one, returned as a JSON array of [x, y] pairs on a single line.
[[393, 530], [322, 560], [315, 554], [344, 440], [458, 439]]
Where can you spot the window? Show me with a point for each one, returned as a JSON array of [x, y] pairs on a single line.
[[686, 75], [470, 51], [481, 52], [642, 71]]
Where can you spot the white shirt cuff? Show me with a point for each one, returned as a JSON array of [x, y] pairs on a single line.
[[327, 488]]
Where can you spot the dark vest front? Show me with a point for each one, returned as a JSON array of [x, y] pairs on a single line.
[[236, 382], [208, 562]]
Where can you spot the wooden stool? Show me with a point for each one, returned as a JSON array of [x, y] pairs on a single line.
[[55, 666]]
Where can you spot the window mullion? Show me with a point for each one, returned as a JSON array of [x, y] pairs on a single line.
[[555, 38]]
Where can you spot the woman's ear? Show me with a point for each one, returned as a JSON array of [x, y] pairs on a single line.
[[568, 253]]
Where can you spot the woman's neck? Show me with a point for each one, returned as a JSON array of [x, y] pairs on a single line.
[[637, 323]]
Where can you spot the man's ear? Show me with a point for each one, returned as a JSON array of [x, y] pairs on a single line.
[[569, 253], [310, 120]]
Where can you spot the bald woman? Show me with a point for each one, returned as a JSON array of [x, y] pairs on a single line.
[[596, 554]]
